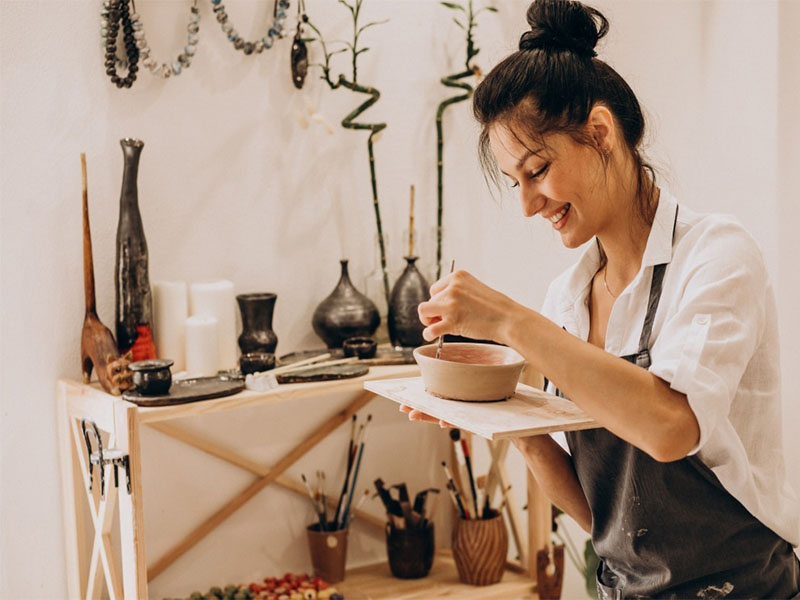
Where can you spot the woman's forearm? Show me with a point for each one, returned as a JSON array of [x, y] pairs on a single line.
[[552, 468], [625, 399]]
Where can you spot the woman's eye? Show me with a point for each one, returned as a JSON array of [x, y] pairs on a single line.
[[514, 184], [540, 172]]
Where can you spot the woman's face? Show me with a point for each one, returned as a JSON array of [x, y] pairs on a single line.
[[563, 182]]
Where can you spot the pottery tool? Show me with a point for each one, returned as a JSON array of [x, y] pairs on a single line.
[[456, 436], [261, 382], [441, 337], [411, 224], [462, 509], [391, 505], [421, 498], [345, 517], [314, 503], [347, 471]]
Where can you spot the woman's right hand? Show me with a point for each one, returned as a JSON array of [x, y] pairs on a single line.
[[418, 415]]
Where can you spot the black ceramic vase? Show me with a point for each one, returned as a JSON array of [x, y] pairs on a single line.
[[345, 313], [257, 334], [405, 328], [134, 306]]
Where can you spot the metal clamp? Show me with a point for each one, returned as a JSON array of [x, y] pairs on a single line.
[[101, 458]]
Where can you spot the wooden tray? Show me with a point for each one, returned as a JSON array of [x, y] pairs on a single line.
[[189, 390], [528, 412]]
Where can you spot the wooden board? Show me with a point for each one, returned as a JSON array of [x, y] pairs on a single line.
[[528, 412]]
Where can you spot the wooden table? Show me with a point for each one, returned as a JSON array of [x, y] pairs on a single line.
[[89, 565]]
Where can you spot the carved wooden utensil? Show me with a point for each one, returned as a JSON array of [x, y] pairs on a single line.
[[98, 348]]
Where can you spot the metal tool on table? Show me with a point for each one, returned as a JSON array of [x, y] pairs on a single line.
[[101, 458]]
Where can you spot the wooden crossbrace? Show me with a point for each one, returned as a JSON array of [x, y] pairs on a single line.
[[103, 562], [214, 520]]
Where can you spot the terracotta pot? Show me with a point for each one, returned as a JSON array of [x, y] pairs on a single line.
[[480, 547], [328, 552]]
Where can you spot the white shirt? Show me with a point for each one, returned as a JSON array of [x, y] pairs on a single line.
[[715, 339]]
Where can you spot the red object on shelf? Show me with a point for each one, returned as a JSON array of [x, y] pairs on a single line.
[[144, 347]]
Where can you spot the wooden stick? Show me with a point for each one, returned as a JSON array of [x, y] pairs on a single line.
[[411, 224], [233, 505]]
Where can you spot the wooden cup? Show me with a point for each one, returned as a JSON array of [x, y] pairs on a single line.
[[328, 552], [480, 547]]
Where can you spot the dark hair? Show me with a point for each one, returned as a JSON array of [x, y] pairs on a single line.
[[551, 84]]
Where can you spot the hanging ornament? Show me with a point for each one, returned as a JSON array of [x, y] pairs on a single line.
[[299, 57], [184, 60], [116, 14], [265, 43]]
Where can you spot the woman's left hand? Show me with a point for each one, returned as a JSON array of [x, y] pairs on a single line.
[[462, 305]]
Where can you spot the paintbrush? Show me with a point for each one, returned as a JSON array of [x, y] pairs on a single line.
[[452, 484], [441, 337], [355, 473], [314, 502], [347, 471]]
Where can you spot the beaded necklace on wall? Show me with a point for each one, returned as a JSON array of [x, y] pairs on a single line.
[[114, 14], [184, 59], [265, 43]]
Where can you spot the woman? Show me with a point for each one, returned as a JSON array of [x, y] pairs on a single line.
[[664, 332]]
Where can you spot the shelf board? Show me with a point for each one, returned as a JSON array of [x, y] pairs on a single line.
[[375, 582]]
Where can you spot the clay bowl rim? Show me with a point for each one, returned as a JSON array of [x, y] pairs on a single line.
[[418, 352]]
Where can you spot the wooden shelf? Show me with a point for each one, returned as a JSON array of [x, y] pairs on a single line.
[[375, 582]]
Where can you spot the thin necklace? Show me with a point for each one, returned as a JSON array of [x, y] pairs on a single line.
[[605, 282]]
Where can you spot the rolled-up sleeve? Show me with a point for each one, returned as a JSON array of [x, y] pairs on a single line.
[[715, 324]]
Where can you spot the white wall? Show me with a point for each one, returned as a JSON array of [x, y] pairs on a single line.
[[230, 186]]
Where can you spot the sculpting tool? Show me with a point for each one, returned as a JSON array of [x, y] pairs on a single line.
[[441, 337]]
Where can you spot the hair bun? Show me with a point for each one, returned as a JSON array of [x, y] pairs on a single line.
[[558, 25]]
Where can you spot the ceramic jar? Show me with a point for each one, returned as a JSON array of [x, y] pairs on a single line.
[[257, 311], [345, 313]]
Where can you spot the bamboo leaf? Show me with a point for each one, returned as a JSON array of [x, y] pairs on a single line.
[[352, 10], [490, 9], [360, 29], [451, 5], [457, 22], [361, 50]]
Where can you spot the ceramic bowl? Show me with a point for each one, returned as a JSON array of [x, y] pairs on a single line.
[[256, 362], [472, 372], [362, 347], [152, 377]]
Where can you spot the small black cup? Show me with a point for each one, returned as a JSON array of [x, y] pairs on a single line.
[[363, 347], [256, 362], [152, 377], [410, 551]]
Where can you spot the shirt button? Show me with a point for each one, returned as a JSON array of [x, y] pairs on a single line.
[[702, 319]]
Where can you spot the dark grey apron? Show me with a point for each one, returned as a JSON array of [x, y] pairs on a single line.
[[671, 529]]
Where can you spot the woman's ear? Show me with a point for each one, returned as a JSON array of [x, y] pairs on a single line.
[[601, 127]]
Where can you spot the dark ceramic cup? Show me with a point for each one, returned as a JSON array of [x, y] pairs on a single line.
[[256, 362], [410, 551], [152, 377], [362, 347]]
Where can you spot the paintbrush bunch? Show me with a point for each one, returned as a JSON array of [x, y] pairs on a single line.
[[471, 496], [399, 510], [343, 515]]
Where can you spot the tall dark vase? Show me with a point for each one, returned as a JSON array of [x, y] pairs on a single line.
[[345, 313], [405, 328], [257, 334], [134, 306]]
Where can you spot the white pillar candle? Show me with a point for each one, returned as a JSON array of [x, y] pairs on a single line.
[[216, 299], [202, 346], [170, 309]]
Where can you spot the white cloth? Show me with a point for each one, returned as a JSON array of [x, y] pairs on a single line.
[[715, 339]]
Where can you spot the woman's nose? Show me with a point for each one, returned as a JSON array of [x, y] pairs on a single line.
[[532, 202]]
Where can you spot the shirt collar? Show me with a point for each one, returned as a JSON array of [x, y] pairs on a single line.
[[658, 250]]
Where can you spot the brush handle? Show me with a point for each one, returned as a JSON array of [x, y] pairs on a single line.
[[345, 516], [467, 460]]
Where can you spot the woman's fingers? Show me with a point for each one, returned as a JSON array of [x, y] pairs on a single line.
[[418, 415]]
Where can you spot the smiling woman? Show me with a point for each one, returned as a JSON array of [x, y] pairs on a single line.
[[664, 332]]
